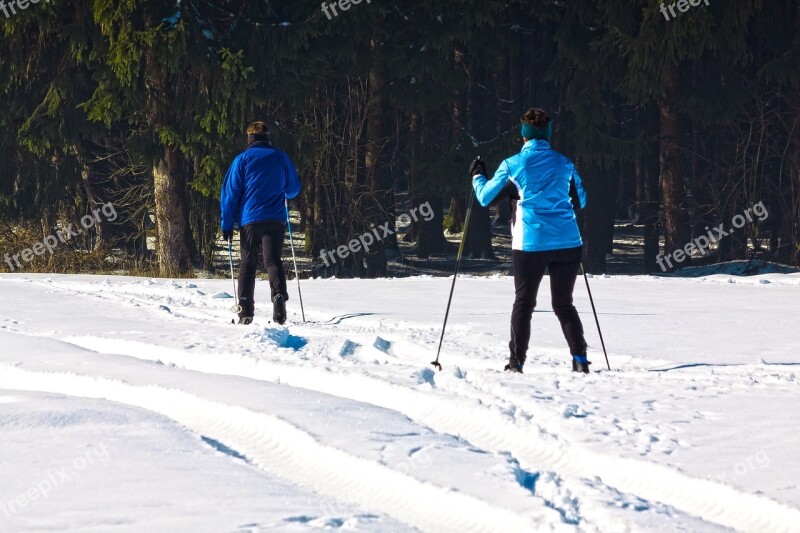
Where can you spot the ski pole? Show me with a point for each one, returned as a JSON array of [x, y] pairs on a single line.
[[294, 258], [237, 308], [453, 286], [586, 278]]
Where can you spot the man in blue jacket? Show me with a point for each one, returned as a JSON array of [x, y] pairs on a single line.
[[253, 196], [544, 187]]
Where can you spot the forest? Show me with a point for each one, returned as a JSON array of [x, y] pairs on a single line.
[[676, 123]]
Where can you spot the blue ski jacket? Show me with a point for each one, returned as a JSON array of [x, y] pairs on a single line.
[[256, 186], [544, 217]]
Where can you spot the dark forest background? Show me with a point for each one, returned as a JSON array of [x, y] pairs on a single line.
[[677, 124]]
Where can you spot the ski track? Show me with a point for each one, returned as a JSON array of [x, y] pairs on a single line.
[[215, 423], [283, 449], [494, 430], [479, 409]]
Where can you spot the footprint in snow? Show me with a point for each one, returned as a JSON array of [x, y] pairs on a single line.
[[221, 295], [575, 411], [382, 345], [279, 337], [348, 348], [426, 375]]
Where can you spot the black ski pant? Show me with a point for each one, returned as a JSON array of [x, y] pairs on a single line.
[[529, 268], [269, 236]]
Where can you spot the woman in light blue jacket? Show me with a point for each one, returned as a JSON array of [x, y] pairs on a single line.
[[544, 187]]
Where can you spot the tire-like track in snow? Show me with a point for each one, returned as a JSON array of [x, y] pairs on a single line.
[[493, 430], [283, 449]]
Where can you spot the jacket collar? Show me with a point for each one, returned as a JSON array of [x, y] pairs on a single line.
[[259, 144], [536, 144]]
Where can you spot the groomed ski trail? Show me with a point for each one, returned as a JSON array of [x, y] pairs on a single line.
[[284, 450], [491, 428], [478, 409]]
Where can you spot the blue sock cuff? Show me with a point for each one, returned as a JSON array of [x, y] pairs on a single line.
[[580, 358]]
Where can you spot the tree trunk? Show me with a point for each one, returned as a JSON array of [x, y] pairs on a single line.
[[595, 216], [431, 232], [99, 236], [503, 213], [517, 65], [174, 241], [610, 211], [413, 149], [649, 122], [673, 188], [373, 166], [457, 213], [478, 243], [204, 227], [172, 220]]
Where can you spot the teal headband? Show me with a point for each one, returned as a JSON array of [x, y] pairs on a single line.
[[531, 132]]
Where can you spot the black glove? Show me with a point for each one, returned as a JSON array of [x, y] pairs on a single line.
[[227, 235], [477, 167]]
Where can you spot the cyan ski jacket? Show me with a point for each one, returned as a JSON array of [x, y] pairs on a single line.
[[544, 218]]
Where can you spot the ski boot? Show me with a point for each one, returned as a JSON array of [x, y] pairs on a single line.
[[245, 309], [279, 309], [580, 363], [514, 366]]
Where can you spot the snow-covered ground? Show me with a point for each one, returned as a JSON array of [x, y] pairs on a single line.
[[130, 404]]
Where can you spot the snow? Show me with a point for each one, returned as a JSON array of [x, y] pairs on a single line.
[[133, 404]]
